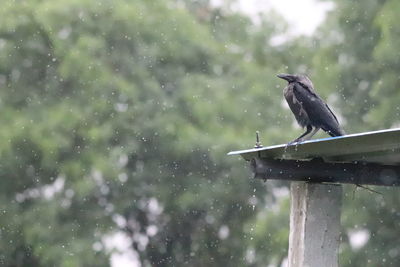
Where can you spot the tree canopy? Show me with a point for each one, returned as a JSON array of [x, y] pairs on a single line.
[[117, 117]]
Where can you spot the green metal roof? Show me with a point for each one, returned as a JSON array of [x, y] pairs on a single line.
[[379, 147]]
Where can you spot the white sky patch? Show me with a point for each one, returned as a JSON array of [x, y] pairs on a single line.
[[47, 191], [223, 232], [50, 190], [304, 16], [123, 255], [126, 259], [281, 192], [358, 238]]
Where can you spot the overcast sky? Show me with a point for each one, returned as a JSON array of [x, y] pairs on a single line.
[[303, 15]]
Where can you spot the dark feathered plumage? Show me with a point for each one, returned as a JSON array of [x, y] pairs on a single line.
[[308, 108]]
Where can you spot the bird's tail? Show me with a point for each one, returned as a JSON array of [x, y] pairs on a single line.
[[336, 132]]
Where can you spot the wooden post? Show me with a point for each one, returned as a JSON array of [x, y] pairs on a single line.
[[314, 224]]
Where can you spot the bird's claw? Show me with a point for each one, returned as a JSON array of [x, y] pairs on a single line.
[[294, 142]]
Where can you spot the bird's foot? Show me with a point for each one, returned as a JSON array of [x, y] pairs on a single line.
[[291, 143], [294, 142]]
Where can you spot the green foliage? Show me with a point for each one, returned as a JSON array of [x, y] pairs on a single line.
[[117, 116], [360, 45]]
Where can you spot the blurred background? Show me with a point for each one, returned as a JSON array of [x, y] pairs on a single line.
[[116, 117]]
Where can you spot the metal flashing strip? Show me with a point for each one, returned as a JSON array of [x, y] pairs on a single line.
[[381, 146]]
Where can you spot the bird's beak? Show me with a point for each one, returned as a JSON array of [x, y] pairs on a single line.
[[287, 77]]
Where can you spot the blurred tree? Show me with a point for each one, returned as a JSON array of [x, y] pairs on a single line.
[[356, 58], [117, 116], [344, 63]]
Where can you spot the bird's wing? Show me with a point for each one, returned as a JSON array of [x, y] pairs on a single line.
[[333, 114], [312, 92], [309, 88], [295, 106], [317, 110]]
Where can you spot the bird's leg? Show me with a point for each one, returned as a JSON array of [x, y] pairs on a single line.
[[311, 134], [298, 139]]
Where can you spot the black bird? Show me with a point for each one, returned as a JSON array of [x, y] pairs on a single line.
[[308, 108]]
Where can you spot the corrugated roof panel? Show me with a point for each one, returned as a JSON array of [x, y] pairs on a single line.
[[379, 146]]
